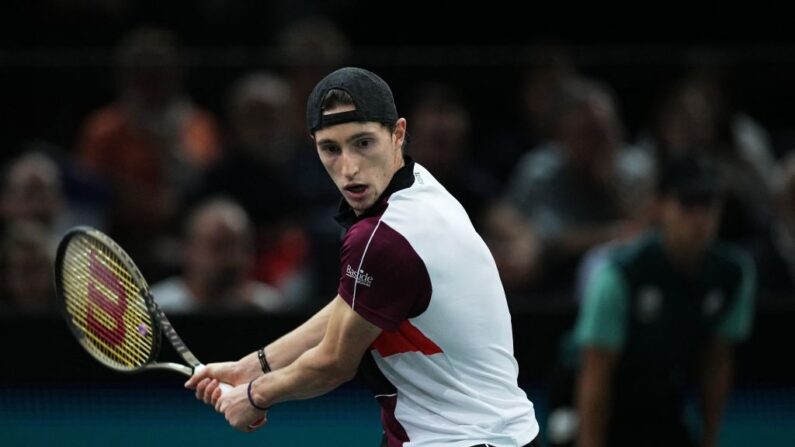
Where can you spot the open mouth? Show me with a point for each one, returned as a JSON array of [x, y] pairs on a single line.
[[356, 189]]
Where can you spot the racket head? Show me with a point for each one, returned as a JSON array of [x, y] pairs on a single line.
[[105, 300]]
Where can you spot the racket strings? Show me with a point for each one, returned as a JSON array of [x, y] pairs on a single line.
[[105, 304]]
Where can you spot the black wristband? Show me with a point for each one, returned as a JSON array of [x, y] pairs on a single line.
[[263, 362], [251, 399]]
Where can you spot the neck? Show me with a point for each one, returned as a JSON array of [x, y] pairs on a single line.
[[400, 162]]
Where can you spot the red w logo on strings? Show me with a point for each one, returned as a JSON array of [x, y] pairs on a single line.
[[112, 331]]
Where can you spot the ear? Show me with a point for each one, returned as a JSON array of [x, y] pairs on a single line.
[[400, 132]]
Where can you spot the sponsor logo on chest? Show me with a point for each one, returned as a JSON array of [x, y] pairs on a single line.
[[650, 302], [713, 302], [361, 277]]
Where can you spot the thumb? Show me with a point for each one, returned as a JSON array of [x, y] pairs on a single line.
[[200, 372]]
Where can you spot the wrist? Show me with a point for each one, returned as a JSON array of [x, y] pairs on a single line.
[[263, 361], [254, 399]]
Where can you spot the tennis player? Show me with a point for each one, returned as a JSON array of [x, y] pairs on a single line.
[[420, 309]]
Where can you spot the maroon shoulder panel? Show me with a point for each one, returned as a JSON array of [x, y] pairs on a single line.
[[382, 277]]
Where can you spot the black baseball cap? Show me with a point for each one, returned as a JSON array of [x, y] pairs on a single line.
[[691, 178], [371, 95]]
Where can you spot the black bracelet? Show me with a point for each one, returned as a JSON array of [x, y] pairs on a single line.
[[263, 362], [251, 399]]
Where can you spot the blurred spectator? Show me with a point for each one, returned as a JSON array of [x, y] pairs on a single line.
[[775, 256], [26, 269], [663, 312], [441, 141], [151, 144], [43, 186], [218, 256], [583, 188], [694, 116], [541, 79], [32, 191], [277, 180], [516, 246], [312, 47]]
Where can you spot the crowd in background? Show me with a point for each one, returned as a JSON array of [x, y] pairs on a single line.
[[229, 208]]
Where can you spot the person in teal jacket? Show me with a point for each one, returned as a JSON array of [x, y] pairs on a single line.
[[660, 315]]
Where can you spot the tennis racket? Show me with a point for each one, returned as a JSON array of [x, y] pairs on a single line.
[[108, 307]]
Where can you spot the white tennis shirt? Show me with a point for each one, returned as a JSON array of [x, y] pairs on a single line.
[[446, 375]]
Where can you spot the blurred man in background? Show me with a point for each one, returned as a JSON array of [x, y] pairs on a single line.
[[218, 257], [441, 139], [151, 145], [662, 312], [26, 274], [578, 190]]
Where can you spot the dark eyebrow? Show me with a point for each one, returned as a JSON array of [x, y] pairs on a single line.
[[356, 136], [353, 137]]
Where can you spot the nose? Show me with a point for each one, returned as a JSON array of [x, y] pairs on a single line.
[[349, 164]]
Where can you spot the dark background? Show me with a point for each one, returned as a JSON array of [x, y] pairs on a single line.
[[56, 55]]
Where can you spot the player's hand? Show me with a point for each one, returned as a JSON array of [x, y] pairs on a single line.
[[207, 379], [234, 373], [208, 390], [238, 411]]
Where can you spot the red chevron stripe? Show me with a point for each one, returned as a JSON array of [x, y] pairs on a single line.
[[406, 339]]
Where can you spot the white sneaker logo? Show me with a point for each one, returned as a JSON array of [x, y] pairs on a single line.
[[361, 277]]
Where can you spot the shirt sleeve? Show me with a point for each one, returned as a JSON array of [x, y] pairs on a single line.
[[736, 323], [603, 312], [382, 278]]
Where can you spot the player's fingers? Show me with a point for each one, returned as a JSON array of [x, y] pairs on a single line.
[[216, 395], [209, 390], [200, 387], [220, 405], [199, 374]]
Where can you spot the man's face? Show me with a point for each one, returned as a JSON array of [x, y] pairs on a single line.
[[361, 158], [690, 227], [218, 252]]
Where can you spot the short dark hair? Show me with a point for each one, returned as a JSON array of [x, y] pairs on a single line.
[[336, 98], [691, 178]]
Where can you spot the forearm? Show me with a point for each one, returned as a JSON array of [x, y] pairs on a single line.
[[593, 405], [323, 367], [312, 374], [290, 346], [715, 385], [594, 391], [285, 349]]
